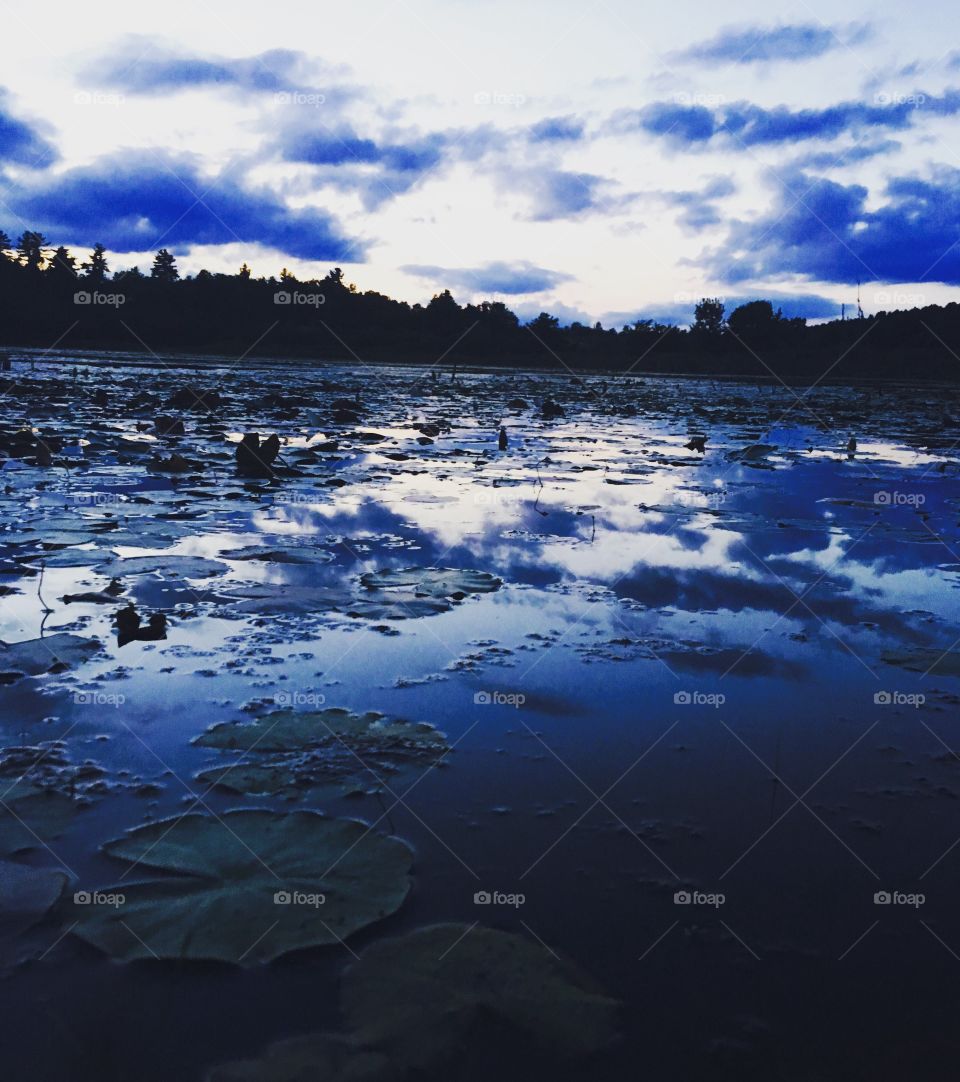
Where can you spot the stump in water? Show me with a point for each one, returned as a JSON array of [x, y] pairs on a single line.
[[255, 457]]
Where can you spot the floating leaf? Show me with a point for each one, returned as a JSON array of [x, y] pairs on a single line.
[[297, 753], [30, 816], [936, 662], [184, 567], [33, 657], [260, 554], [227, 904], [419, 997], [291, 730], [27, 894], [433, 581], [270, 599]]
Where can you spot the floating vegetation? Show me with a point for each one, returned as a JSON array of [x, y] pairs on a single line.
[[247, 886]]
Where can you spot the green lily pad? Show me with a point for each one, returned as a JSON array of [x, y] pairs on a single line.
[[317, 1057], [433, 581], [30, 816], [292, 730], [227, 902], [936, 662], [27, 894], [331, 751], [260, 554], [184, 567], [33, 657], [269, 599], [422, 996]]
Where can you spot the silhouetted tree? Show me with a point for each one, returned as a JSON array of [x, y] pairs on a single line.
[[164, 267], [62, 266], [708, 317], [5, 245], [244, 273], [30, 249], [96, 267]]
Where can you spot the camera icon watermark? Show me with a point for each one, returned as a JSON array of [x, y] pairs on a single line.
[[898, 897], [96, 97], [699, 897], [497, 897], [299, 97], [99, 300], [884, 97], [299, 897], [899, 499], [898, 698], [499, 698], [299, 698], [296, 299], [99, 897], [711, 101], [699, 698], [99, 698], [499, 97]]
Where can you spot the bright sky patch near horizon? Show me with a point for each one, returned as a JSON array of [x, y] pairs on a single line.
[[607, 161]]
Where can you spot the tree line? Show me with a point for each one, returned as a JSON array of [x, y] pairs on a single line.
[[46, 294]]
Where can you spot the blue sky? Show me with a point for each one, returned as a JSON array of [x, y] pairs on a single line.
[[601, 161]]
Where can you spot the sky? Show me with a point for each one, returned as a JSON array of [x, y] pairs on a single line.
[[601, 161]]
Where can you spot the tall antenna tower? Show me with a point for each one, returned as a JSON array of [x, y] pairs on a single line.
[[859, 309]]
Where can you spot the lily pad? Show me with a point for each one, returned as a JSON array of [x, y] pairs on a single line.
[[936, 662], [30, 816], [433, 581], [421, 996], [248, 886], [296, 754], [292, 730], [32, 657], [27, 894], [259, 554], [185, 567], [318, 1057], [269, 599]]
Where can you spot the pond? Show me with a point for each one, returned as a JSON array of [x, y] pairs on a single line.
[[653, 712]]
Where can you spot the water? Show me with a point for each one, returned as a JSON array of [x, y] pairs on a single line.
[[726, 677]]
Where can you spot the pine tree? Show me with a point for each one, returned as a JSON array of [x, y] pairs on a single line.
[[164, 267]]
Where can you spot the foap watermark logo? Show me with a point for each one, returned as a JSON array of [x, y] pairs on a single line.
[[299, 897], [710, 101], [96, 299], [899, 499], [299, 698], [699, 698], [499, 97], [498, 497], [707, 500], [892, 97], [699, 897], [98, 97], [900, 300], [312, 100], [99, 897], [499, 698], [498, 897], [99, 698], [297, 299], [898, 698], [899, 897], [95, 499]]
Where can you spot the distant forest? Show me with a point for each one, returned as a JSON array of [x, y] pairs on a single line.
[[47, 297]]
